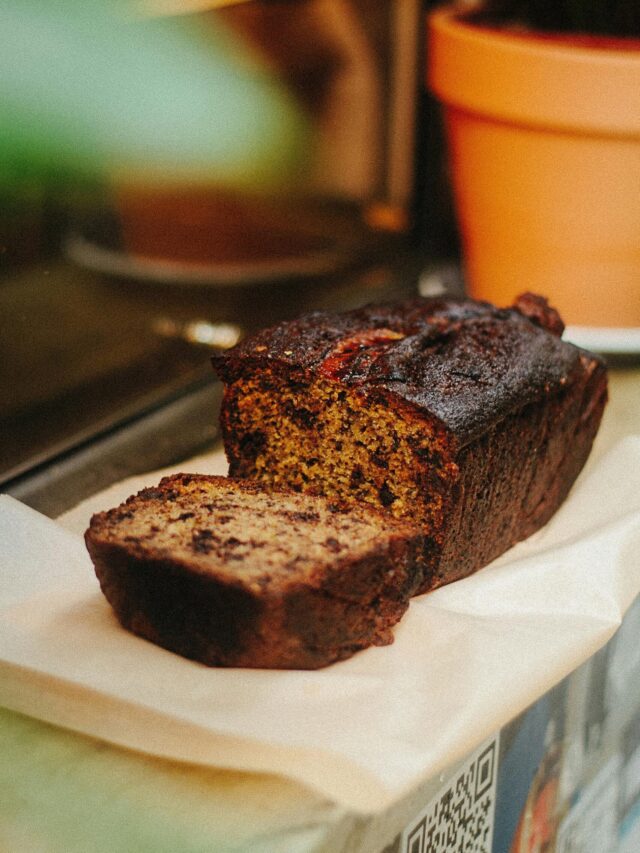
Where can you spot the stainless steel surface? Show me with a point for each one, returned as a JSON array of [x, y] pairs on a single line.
[[167, 435]]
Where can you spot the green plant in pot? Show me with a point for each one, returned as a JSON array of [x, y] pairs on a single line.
[[542, 112]]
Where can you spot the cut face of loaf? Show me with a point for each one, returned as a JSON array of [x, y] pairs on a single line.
[[322, 438], [471, 421], [226, 573]]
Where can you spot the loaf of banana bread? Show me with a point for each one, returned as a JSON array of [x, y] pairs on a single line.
[[470, 420], [227, 573]]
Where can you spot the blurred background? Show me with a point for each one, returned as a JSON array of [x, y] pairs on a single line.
[[176, 174]]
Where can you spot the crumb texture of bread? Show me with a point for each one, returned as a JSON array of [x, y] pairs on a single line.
[[229, 573], [472, 421]]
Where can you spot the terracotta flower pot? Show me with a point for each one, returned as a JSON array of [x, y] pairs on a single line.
[[544, 139]]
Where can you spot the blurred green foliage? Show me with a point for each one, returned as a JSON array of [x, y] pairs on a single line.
[[87, 88]]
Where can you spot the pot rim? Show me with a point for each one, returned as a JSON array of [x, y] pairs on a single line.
[[533, 79]]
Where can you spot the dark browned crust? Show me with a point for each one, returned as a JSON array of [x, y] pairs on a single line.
[[518, 407], [515, 477], [219, 621], [465, 363]]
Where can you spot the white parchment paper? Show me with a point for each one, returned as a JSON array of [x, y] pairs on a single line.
[[363, 732]]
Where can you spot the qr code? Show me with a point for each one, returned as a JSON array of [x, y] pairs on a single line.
[[460, 817]]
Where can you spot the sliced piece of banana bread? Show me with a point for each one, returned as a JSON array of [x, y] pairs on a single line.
[[470, 420], [230, 574]]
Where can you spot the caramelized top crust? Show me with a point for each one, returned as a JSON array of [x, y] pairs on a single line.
[[465, 363]]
